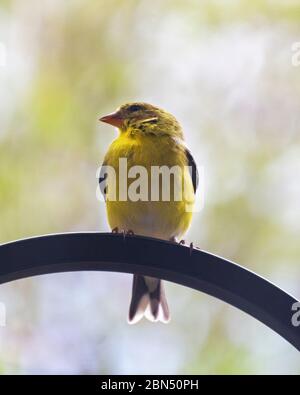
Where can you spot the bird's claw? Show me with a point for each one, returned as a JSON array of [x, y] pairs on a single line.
[[124, 232], [128, 232], [182, 242], [191, 248]]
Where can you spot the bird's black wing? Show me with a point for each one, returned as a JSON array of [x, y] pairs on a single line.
[[103, 180], [193, 169]]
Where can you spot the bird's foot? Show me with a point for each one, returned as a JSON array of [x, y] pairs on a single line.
[[128, 232], [191, 248], [182, 242], [124, 232]]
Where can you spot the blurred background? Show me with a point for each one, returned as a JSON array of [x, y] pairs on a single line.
[[224, 68]]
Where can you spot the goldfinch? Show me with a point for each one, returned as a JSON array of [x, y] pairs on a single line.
[[149, 137]]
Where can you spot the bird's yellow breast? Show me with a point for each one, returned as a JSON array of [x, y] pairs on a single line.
[[162, 219]]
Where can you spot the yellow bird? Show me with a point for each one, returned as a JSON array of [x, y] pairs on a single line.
[[149, 138]]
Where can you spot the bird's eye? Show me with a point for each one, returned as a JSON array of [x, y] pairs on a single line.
[[135, 107]]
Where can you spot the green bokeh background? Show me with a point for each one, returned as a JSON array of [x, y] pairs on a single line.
[[225, 70]]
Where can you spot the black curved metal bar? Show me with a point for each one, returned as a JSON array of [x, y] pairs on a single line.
[[135, 254]]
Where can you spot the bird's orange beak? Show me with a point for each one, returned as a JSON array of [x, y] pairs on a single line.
[[114, 119]]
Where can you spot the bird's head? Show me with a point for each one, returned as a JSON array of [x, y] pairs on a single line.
[[143, 119]]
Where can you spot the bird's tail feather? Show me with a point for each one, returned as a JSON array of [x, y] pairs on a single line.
[[149, 300]]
